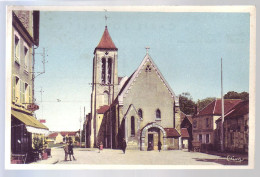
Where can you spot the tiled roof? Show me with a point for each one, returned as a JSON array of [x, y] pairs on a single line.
[[214, 108], [53, 135], [184, 133], [68, 133], [239, 110], [102, 109], [171, 132], [106, 41]]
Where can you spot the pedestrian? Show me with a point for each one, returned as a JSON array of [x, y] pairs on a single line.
[[159, 146], [124, 145], [71, 151], [100, 147], [66, 150]]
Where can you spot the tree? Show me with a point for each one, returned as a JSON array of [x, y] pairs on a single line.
[[204, 102], [187, 105], [234, 95]]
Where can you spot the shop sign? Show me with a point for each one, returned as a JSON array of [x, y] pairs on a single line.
[[32, 107]]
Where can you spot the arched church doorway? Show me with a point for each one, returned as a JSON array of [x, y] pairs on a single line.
[[152, 137]]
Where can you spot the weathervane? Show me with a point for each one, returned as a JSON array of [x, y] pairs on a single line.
[[106, 17]]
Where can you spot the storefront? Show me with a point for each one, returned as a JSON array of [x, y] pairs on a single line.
[[24, 128]]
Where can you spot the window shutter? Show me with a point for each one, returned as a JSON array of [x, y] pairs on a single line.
[[20, 100], [29, 90], [13, 88]]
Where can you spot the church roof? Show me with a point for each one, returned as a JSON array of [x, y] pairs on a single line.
[[106, 41], [131, 79], [102, 109]]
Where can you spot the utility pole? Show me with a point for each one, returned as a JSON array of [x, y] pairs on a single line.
[[222, 111], [85, 133]]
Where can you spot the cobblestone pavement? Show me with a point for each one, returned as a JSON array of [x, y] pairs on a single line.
[[135, 157]]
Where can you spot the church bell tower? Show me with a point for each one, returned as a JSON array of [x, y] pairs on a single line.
[[104, 80]]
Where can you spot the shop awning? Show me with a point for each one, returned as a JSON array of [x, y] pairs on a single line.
[[32, 124]]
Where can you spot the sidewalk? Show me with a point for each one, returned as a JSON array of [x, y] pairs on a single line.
[[55, 157]]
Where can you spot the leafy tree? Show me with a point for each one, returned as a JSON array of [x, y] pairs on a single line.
[[186, 103], [234, 95], [204, 102]]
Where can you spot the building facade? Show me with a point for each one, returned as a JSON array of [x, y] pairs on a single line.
[[204, 126], [142, 108], [236, 129], [24, 126]]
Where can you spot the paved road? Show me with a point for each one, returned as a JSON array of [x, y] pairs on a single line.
[[134, 157]]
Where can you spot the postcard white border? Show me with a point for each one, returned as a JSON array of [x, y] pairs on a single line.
[[219, 9]]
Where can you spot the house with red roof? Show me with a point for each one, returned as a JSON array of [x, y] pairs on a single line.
[[62, 137], [236, 129], [204, 122]]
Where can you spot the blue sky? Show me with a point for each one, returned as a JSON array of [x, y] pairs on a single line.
[[187, 48]]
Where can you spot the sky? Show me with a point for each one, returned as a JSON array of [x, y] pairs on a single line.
[[186, 47]]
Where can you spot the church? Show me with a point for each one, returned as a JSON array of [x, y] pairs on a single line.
[[141, 109]]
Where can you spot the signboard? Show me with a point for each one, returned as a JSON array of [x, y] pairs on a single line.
[[32, 107], [42, 121]]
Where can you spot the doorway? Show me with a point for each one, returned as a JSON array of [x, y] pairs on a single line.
[[150, 142]]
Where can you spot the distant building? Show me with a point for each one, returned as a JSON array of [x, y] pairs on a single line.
[[24, 126], [142, 108], [204, 126], [186, 131], [236, 130], [63, 137]]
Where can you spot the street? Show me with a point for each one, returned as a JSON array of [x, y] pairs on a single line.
[[135, 157]]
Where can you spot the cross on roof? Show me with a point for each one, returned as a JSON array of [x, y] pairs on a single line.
[[147, 49]]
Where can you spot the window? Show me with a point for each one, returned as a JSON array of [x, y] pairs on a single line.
[[103, 74], [26, 59], [148, 68], [194, 124], [140, 113], [109, 74], [132, 126], [207, 122], [17, 49], [207, 138], [158, 114], [200, 138], [22, 90]]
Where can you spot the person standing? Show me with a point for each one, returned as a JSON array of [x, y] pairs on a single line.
[[71, 151], [159, 146], [66, 150], [100, 147], [124, 145]]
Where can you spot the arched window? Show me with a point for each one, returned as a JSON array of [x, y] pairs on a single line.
[[109, 74], [132, 126], [140, 113], [158, 114], [103, 74]]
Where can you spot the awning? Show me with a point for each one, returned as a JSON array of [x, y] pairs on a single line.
[[32, 124], [37, 130]]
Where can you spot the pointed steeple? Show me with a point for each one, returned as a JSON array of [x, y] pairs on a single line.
[[106, 42]]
